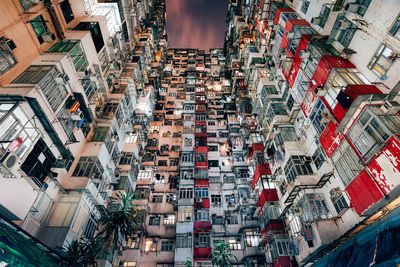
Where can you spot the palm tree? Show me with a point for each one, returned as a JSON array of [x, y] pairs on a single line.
[[188, 263], [73, 253], [83, 252], [120, 220], [221, 255]]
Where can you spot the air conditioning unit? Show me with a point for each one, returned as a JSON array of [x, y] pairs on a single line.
[[352, 7], [298, 211], [305, 54], [199, 200], [188, 219], [276, 27], [48, 37], [335, 192], [316, 20], [321, 91], [290, 35], [11, 161], [326, 116], [390, 107], [343, 24], [8, 43]]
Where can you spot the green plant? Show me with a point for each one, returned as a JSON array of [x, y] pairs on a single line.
[[188, 263], [221, 255], [120, 220], [83, 252]]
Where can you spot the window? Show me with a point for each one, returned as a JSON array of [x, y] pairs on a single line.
[[304, 6], [187, 157], [234, 244], [242, 173], [145, 174], [157, 199], [252, 238], [67, 12], [126, 158], [316, 117], [202, 215], [154, 220], [184, 240], [216, 200], [231, 218], [185, 213], [174, 162], [7, 59], [89, 167], [167, 245], [150, 245], [129, 264], [314, 207], [142, 193], [185, 193], [169, 220], [133, 242], [368, 134], [281, 246], [202, 240], [201, 157], [39, 27], [162, 163], [201, 174], [297, 165], [395, 29], [187, 142], [382, 60], [211, 135], [14, 123], [201, 192], [212, 148], [319, 157], [338, 200]]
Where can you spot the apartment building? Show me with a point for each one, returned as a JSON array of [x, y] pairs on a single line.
[[283, 144], [319, 102], [78, 81]]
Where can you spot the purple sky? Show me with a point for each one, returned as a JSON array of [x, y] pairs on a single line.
[[196, 23]]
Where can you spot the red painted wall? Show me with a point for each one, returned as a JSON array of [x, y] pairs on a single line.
[[267, 195], [329, 139], [262, 169], [363, 192], [385, 168]]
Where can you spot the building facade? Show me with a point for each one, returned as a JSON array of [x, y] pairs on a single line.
[[283, 144]]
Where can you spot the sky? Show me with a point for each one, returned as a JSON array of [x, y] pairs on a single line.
[[196, 23]]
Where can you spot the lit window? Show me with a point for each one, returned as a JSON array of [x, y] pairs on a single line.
[[252, 239], [234, 244], [185, 213], [129, 264], [169, 219], [150, 245], [382, 60]]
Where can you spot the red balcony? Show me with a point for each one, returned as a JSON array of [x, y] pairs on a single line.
[[279, 11], [325, 65], [267, 195], [385, 167], [329, 139], [269, 230], [202, 225], [255, 147], [201, 252], [284, 261], [363, 192], [262, 169]]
